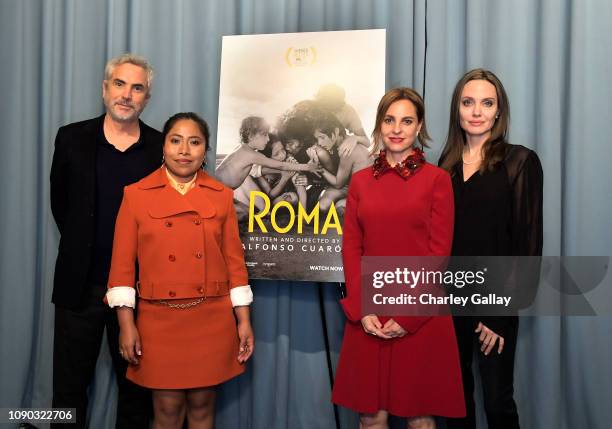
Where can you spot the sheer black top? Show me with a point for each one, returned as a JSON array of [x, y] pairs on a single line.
[[499, 213]]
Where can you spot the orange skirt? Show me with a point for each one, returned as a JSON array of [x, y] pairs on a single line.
[[186, 348]]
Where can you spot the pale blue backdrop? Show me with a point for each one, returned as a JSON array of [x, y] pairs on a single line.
[[554, 57]]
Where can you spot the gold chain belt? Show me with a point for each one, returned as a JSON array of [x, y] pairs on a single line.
[[181, 306]]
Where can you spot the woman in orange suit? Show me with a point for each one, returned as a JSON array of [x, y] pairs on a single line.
[[193, 328]]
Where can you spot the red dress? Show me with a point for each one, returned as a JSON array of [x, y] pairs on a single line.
[[418, 374]]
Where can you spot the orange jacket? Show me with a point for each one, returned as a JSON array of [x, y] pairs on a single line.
[[187, 246]]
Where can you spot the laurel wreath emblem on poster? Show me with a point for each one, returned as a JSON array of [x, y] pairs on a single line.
[[291, 225], [300, 57]]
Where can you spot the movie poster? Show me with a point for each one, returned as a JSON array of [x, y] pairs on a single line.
[[296, 113]]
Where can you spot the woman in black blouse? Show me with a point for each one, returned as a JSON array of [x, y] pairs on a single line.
[[498, 212]]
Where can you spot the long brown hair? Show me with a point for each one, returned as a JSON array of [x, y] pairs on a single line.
[[493, 150], [387, 100]]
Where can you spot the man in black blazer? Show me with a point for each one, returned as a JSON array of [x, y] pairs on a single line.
[[92, 162]]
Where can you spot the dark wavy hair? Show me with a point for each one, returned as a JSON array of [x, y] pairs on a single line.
[[297, 123], [328, 124], [191, 116], [267, 151], [494, 149]]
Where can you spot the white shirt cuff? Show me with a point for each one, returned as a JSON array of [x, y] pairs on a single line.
[[241, 295], [121, 296]]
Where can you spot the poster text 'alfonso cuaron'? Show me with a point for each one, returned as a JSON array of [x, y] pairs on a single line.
[[296, 112]]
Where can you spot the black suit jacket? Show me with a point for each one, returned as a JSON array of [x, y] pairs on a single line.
[[73, 187]]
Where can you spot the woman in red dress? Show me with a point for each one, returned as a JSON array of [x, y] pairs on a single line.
[[402, 206]]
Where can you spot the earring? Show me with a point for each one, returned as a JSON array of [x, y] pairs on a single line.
[[497, 115]]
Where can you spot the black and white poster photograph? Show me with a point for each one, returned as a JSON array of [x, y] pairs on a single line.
[[296, 113]]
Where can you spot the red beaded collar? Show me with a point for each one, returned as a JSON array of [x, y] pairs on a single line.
[[405, 169]]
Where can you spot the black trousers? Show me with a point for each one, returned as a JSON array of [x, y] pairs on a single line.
[[496, 373], [76, 345]]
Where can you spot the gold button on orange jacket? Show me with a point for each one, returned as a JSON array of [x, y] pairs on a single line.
[[184, 244], [188, 249]]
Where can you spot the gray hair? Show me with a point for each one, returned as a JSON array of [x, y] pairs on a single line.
[[129, 58]]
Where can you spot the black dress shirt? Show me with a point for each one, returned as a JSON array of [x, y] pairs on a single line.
[[114, 171]]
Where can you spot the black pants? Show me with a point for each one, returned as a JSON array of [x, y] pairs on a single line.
[[496, 373], [76, 345]]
